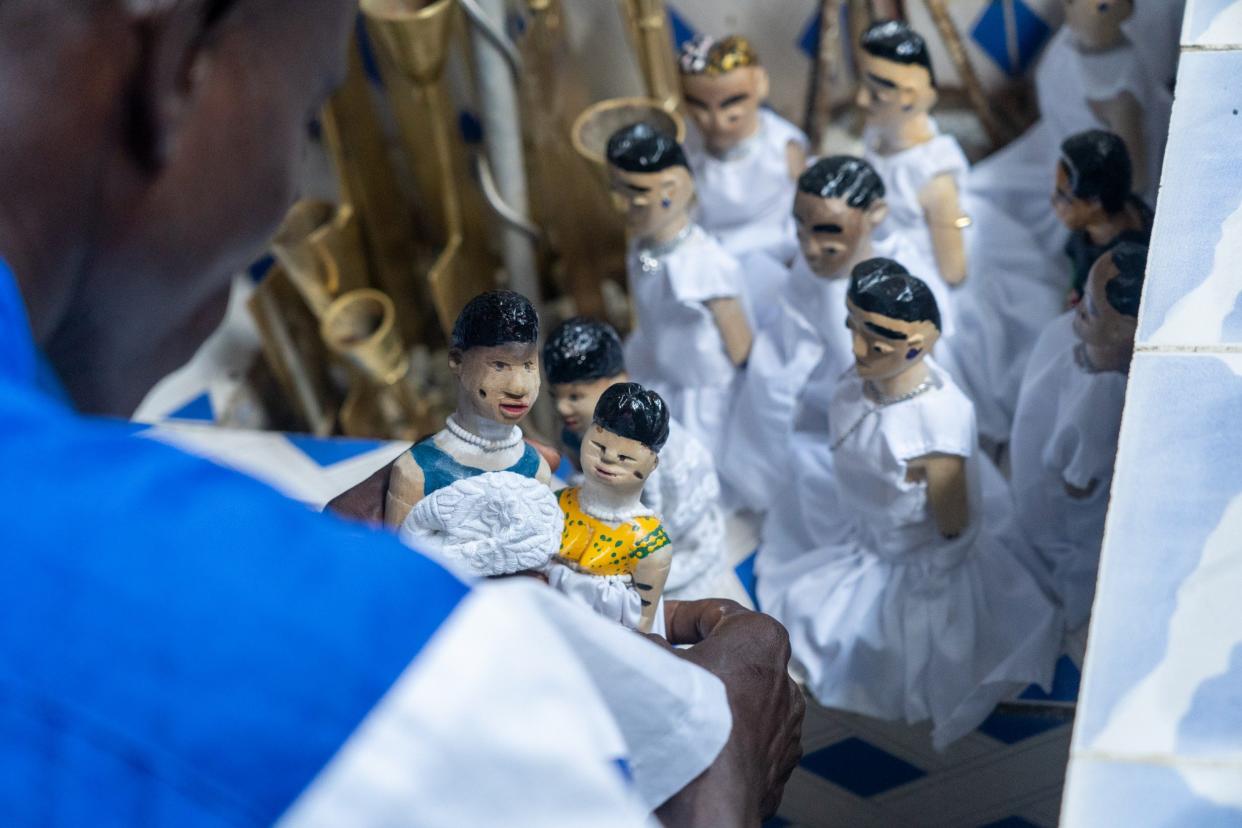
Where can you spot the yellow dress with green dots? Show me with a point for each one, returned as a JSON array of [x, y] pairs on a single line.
[[592, 546]]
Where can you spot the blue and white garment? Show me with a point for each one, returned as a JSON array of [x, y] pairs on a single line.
[[183, 646]]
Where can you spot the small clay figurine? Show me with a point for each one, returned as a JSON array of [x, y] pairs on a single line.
[[615, 555], [912, 609], [1090, 77], [692, 332], [490, 525], [781, 407], [1094, 200], [1068, 421], [744, 156], [582, 359], [921, 168], [495, 357]]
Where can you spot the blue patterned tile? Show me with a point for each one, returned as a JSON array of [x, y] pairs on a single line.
[[1178, 492], [746, 574], [1194, 285], [992, 33], [861, 768], [1131, 794], [1013, 727], [679, 28], [199, 409], [1010, 822], [1065, 683], [329, 452]]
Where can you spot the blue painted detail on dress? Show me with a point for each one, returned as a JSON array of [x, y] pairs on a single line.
[[1030, 30], [861, 768], [440, 469], [329, 452]]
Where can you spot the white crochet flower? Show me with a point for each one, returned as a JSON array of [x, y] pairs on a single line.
[[498, 523]]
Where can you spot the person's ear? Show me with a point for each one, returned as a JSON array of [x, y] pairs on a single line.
[[877, 212], [172, 64], [456, 361]]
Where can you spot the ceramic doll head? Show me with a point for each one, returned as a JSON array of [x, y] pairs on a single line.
[[1093, 179], [1097, 21], [495, 357], [1107, 316], [723, 85], [893, 318], [840, 202], [651, 180], [582, 359], [897, 82], [621, 448]]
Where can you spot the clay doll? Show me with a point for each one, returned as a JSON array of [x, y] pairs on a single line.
[[495, 358], [744, 156], [1090, 77], [1068, 421], [692, 333], [912, 609], [999, 327], [583, 358], [615, 555], [921, 168], [801, 351]]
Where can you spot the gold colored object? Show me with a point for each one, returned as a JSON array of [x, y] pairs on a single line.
[[648, 26], [598, 123], [361, 327], [413, 40], [321, 251], [961, 60]]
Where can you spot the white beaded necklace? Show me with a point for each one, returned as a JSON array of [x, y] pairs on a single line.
[[487, 445], [882, 402], [649, 257]]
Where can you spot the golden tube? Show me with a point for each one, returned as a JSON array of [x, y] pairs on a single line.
[[321, 251], [648, 26]]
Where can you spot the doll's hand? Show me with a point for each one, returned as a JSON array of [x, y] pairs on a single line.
[[749, 652]]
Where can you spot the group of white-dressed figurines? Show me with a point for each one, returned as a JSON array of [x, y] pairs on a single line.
[[912, 370]]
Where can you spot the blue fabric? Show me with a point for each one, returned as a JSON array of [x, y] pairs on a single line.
[[180, 645], [440, 469]]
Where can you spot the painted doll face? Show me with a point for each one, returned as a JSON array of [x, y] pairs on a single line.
[[651, 202], [725, 107], [575, 401], [1096, 322], [1094, 20], [618, 463], [891, 93], [885, 347], [830, 232], [1074, 212], [498, 383]]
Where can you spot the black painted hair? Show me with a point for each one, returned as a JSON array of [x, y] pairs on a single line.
[[844, 177], [1125, 289], [896, 41], [641, 148], [1098, 166], [582, 350], [498, 317], [631, 411], [885, 287]]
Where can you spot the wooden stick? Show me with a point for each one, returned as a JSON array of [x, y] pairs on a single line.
[[827, 74], [961, 60]]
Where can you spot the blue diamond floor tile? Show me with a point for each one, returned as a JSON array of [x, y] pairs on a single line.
[[861, 768], [1064, 684], [746, 574], [1012, 728], [1010, 822], [329, 452], [198, 408]]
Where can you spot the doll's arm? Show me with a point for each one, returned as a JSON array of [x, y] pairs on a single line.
[[649, 578], [795, 156], [946, 491], [734, 329], [945, 220], [1124, 116], [404, 490]]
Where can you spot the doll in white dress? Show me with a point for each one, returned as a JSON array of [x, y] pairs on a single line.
[[691, 332], [582, 359], [1004, 318], [615, 554], [1090, 77], [781, 411], [1068, 422], [913, 609], [744, 156]]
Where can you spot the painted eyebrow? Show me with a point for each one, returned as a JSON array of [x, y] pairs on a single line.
[[827, 228], [636, 188], [884, 332], [882, 81], [690, 99], [736, 99]]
